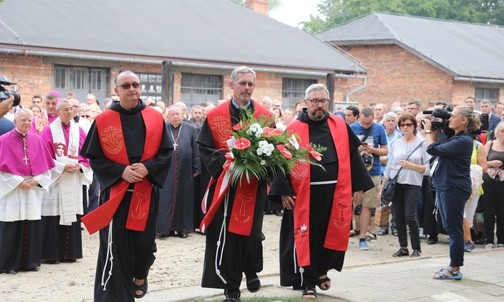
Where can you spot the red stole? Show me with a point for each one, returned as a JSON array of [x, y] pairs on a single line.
[[242, 213], [110, 132], [339, 224]]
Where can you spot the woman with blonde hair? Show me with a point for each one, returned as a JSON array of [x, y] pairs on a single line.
[[452, 181]]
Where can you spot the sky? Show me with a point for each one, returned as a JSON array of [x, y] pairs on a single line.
[[291, 12]]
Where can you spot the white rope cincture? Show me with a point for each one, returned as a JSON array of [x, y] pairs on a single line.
[[322, 183], [222, 238], [109, 252], [301, 269]]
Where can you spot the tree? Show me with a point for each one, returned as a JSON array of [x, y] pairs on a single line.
[[272, 3], [335, 12]]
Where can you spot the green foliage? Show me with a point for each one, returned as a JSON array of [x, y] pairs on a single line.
[[335, 12], [272, 3]]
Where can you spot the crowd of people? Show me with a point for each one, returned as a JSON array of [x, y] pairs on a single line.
[[134, 170]]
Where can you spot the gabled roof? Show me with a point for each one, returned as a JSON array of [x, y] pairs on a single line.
[[467, 51], [185, 31]]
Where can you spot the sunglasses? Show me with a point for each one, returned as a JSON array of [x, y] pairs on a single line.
[[128, 85], [407, 125]]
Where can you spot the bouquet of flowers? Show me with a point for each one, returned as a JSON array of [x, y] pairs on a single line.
[[258, 150]]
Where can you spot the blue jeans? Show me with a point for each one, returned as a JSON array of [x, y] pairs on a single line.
[[451, 209]]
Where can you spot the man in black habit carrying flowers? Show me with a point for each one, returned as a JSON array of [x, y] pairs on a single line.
[[233, 222]]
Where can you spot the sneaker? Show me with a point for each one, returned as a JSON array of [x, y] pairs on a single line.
[[468, 246], [383, 231], [489, 246], [363, 245]]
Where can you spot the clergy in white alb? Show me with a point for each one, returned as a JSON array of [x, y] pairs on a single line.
[[62, 207], [25, 165]]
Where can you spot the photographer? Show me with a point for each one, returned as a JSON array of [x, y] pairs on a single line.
[[451, 179]]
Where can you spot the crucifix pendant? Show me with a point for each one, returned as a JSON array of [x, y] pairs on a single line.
[[25, 158], [175, 146]]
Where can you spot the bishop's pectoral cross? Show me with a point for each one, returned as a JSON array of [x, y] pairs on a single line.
[[25, 158], [175, 146]]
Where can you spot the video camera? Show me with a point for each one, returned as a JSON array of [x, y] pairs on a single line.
[[439, 118], [5, 93]]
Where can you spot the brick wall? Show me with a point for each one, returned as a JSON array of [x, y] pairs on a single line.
[[395, 74]]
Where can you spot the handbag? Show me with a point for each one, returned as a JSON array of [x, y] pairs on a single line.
[[388, 190]]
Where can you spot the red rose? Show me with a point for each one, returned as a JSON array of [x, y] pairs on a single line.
[[286, 153], [269, 132], [241, 143]]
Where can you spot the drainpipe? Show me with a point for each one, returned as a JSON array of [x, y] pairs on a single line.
[[358, 88]]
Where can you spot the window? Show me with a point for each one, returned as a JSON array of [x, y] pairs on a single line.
[[487, 93], [151, 86], [81, 80], [199, 88], [293, 90]]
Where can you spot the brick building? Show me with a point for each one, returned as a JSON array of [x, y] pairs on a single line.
[[426, 59], [182, 50]]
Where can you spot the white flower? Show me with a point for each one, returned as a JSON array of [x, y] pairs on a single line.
[[293, 141], [265, 148], [255, 129], [263, 162]]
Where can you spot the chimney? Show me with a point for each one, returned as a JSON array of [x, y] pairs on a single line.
[[259, 6]]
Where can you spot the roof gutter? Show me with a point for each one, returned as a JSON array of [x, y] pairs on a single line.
[[159, 60], [358, 88], [478, 80]]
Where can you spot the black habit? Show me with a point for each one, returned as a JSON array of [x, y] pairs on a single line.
[[240, 254], [132, 251], [176, 197], [321, 259]]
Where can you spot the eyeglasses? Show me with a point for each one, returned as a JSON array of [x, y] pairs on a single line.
[[86, 116], [317, 101], [128, 85], [36, 102], [406, 125]]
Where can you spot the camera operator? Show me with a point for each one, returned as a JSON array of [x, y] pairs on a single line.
[[452, 181]]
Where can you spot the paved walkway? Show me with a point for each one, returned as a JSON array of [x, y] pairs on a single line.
[[401, 280]]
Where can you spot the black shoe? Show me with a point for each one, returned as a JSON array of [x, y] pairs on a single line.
[[253, 282], [416, 253], [402, 252], [278, 213], [232, 295], [382, 231], [51, 261], [33, 269], [432, 240], [394, 231], [182, 235], [10, 272]]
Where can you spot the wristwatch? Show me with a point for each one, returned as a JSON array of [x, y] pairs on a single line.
[[428, 131]]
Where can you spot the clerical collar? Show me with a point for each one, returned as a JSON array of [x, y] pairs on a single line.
[[236, 106], [20, 134]]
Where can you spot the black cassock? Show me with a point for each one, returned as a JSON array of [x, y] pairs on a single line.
[[321, 197], [132, 251], [176, 197], [239, 253]]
